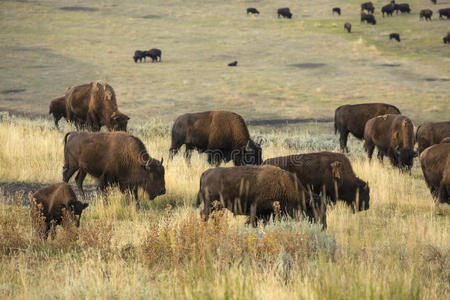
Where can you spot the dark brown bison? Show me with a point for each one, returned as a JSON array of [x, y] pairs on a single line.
[[444, 12], [284, 12], [403, 8], [252, 10], [431, 133], [435, 162], [368, 6], [328, 170], [446, 38], [252, 191], [353, 118], [94, 104], [393, 135], [114, 158], [51, 201], [426, 13], [434, 1], [223, 135], [154, 54], [388, 9], [233, 64], [139, 55], [58, 109], [370, 19], [395, 36], [336, 10], [348, 26]]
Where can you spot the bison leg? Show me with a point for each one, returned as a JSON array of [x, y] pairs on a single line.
[[369, 148], [68, 171], [444, 193], [79, 180], [188, 154], [253, 214], [343, 136], [381, 154]]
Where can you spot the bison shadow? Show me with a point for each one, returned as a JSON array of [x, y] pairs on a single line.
[[307, 65], [12, 91], [78, 8], [151, 17]]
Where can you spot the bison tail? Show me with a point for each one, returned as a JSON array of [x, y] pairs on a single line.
[[66, 137], [199, 200]]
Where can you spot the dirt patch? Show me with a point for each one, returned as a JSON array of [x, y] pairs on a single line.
[[271, 122], [12, 91], [391, 65], [308, 65], [437, 79], [78, 8], [151, 17]]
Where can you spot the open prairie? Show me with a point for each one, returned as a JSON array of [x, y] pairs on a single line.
[[299, 69]]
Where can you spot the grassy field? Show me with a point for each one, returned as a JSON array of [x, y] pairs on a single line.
[[288, 69]]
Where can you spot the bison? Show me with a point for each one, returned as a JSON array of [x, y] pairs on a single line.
[[353, 118], [330, 171], [431, 133], [434, 1], [94, 104], [51, 201], [370, 19], [446, 38], [444, 12], [402, 7], [58, 109], [154, 54], [388, 9], [223, 135], [368, 6], [252, 10], [233, 64], [139, 55], [393, 135], [284, 12], [348, 26], [395, 36], [114, 158], [426, 13], [252, 191], [336, 10], [435, 163]]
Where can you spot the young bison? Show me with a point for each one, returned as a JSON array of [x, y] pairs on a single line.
[[348, 26], [52, 201], [394, 36]]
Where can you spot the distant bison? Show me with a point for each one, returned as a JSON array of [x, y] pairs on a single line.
[[388, 9], [402, 7], [431, 133], [139, 55], [394, 36], [368, 6], [336, 10], [233, 64], [435, 162], [284, 12], [434, 1], [370, 19], [348, 26], [444, 12], [51, 201], [328, 170], [353, 118], [393, 135], [58, 109], [252, 10], [223, 135], [114, 158], [253, 191], [446, 38], [426, 13], [154, 54], [94, 104]]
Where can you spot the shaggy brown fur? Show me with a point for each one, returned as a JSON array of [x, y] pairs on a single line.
[[348, 26], [257, 188], [431, 133], [353, 118], [393, 135], [53, 199], [445, 140], [58, 109], [223, 135], [435, 162], [325, 169], [115, 158], [426, 13], [95, 105]]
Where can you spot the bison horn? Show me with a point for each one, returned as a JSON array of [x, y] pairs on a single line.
[[162, 159]]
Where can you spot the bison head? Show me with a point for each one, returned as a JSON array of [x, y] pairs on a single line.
[[405, 157], [252, 153], [119, 121], [154, 184], [77, 208], [363, 195]]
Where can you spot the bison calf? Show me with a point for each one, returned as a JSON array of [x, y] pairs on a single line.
[[336, 10], [252, 10], [284, 12], [348, 26], [52, 201], [431, 133], [58, 109], [394, 36], [253, 191], [426, 13], [435, 163]]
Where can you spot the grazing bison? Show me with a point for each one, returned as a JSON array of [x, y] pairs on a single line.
[[94, 104], [284, 12], [51, 200], [139, 55], [328, 170], [58, 109], [426, 13], [114, 158], [353, 118], [368, 6], [252, 191], [435, 162], [348, 26], [370, 19], [154, 54], [233, 64], [434, 1], [336, 10], [444, 12], [252, 10], [388, 9], [223, 135], [394, 36], [431, 133], [446, 38], [402, 7], [393, 135]]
